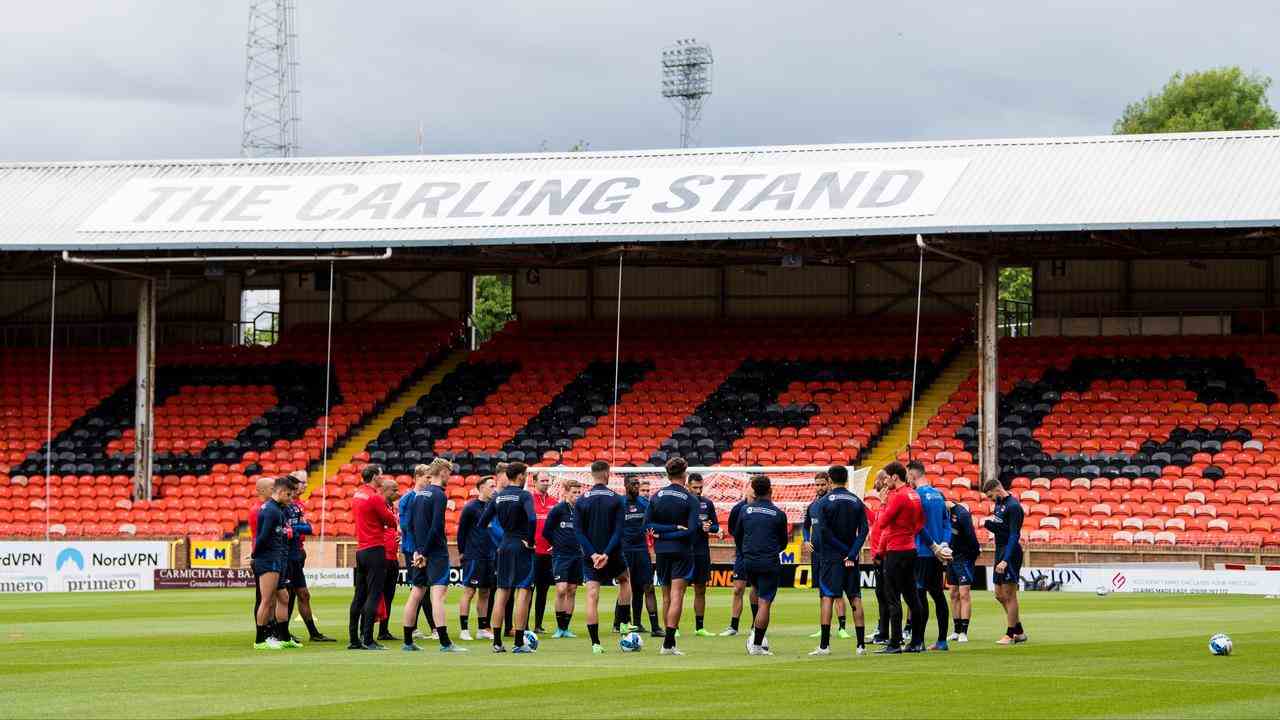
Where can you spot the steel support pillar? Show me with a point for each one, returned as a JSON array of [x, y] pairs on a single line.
[[144, 409], [988, 382]]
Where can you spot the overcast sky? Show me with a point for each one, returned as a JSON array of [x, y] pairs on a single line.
[[126, 79]]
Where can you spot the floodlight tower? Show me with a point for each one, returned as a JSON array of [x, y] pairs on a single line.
[[270, 126], [686, 82]]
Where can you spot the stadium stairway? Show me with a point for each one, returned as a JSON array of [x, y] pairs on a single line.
[[896, 439], [357, 441]]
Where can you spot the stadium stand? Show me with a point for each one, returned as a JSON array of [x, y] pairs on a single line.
[[1169, 441], [224, 415]]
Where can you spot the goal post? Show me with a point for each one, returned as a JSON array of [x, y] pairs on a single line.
[[724, 485]]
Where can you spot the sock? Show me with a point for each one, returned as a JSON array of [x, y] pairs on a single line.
[[262, 634], [271, 627], [408, 634], [843, 620], [1018, 628], [1009, 631], [282, 631], [482, 622], [826, 637], [759, 635], [520, 639], [861, 632], [444, 636], [559, 620], [425, 607], [669, 640], [653, 620], [311, 626], [384, 628], [755, 609], [593, 629], [623, 618], [539, 605], [637, 607], [463, 620], [568, 620], [733, 622], [965, 628], [617, 616], [697, 622]]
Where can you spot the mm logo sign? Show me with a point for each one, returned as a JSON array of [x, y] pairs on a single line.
[[210, 554]]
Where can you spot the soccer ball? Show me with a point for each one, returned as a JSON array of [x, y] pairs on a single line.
[[531, 639], [763, 643], [1102, 591], [631, 642], [1220, 644]]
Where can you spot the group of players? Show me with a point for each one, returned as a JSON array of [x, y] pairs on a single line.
[[516, 544]]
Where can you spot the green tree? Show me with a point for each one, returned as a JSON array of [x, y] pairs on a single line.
[[492, 305], [1219, 99], [1015, 284]]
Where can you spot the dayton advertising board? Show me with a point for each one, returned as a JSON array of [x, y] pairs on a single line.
[[1156, 580], [80, 566], [802, 189]]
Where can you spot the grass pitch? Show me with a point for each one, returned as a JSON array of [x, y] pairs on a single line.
[[187, 654]]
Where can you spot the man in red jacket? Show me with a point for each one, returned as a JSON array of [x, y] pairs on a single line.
[[391, 545], [372, 518], [877, 566], [899, 521], [542, 575]]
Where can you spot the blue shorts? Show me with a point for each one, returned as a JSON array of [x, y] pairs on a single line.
[[515, 567], [1011, 573], [701, 567], [294, 577], [738, 574], [674, 566], [263, 566], [612, 569], [639, 566], [960, 571], [834, 580], [435, 573], [764, 581], [928, 572], [567, 569], [478, 573]]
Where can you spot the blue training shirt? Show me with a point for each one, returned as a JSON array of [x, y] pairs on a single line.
[[734, 513], [512, 507], [763, 528], [1005, 525], [843, 519], [427, 522], [561, 531], [600, 520], [706, 513], [671, 508], [633, 536], [404, 511], [937, 521], [475, 541]]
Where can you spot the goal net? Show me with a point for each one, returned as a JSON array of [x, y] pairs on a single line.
[[793, 485]]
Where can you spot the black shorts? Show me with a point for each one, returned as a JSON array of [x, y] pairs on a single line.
[[701, 567], [567, 569], [542, 570], [674, 566], [639, 566], [928, 572], [479, 574], [1011, 573], [297, 577], [738, 574], [764, 581], [960, 571], [515, 567], [436, 572], [835, 579], [265, 566], [611, 571]]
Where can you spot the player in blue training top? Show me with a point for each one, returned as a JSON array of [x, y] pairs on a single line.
[[295, 515], [270, 560], [430, 571], [843, 520], [1005, 525], [512, 506], [476, 551], [933, 544], [809, 533], [964, 555], [600, 520], [404, 514], [672, 516], [562, 533], [763, 529], [708, 525], [635, 551], [738, 576]]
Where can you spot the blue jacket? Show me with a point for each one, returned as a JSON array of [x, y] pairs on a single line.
[[562, 532], [404, 511], [600, 520], [512, 507], [270, 544], [633, 535], [1005, 525], [671, 508], [427, 522], [843, 519], [964, 541], [763, 529], [475, 541]]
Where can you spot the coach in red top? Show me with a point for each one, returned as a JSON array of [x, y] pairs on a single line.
[[372, 519], [899, 521], [542, 576]]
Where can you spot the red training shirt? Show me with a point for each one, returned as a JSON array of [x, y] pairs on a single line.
[[391, 540], [255, 507], [873, 538], [371, 516], [542, 504], [899, 521]]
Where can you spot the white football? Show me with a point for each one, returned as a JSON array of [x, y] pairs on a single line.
[[1102, 591]]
